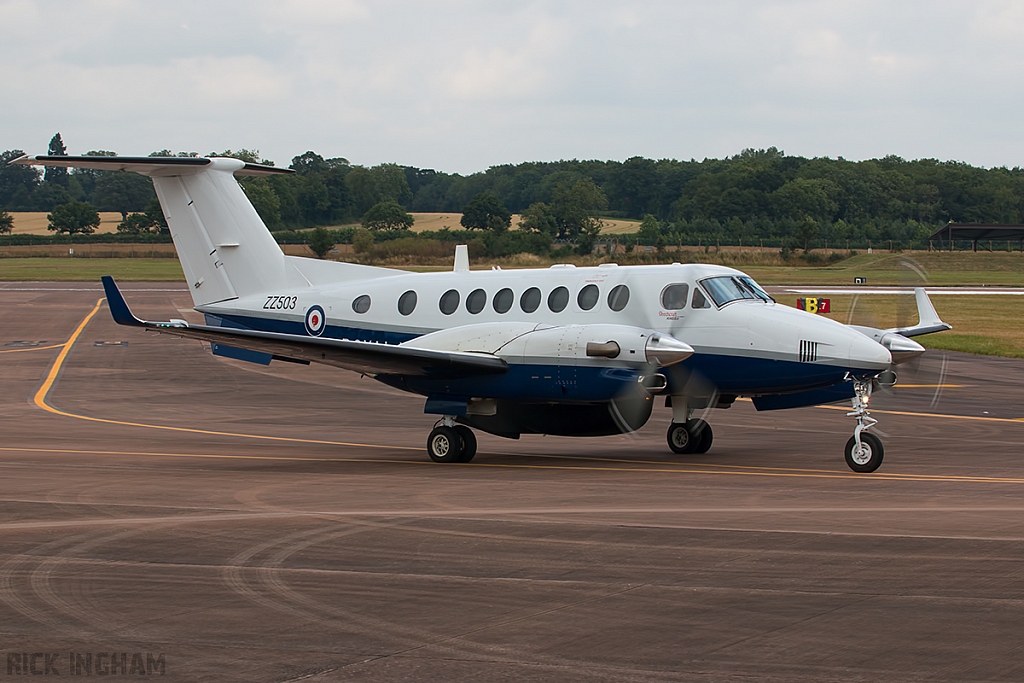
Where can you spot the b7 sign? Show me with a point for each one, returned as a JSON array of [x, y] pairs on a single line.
[[813, 304]]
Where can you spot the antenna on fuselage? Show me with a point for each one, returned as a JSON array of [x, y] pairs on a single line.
[[461, 258]]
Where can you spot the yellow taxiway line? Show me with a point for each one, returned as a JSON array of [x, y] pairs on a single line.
[[661, 467], [34, 348]]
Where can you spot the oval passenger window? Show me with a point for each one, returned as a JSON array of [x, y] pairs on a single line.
[[449, 302], [407, 303], [530, 300], [673, 297], [618, 297], [361, 304], [558, 299], [476, 301], [503, 300], [588, 296]]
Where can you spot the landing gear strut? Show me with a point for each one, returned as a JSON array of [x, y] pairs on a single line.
[[864, 450], [693, 436], [449, 442]]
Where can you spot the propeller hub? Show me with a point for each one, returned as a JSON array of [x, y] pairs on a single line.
[[662, 350], [902, 348]]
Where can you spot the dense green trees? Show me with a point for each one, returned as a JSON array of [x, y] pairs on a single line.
[[757, 194], [6, 222]]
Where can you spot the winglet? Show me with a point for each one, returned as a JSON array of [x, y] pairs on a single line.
[[928, 320], [118, 308]]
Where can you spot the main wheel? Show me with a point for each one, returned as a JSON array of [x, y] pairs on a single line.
[[869, 457], [468, 442], [702, 435], [444, 445], [680, 439]]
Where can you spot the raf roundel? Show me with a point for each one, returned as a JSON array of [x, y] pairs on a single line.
[[315, 321]]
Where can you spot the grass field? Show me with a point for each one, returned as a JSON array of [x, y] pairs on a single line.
[[938, 269], [987, 325], [90, 269], [34, 222]]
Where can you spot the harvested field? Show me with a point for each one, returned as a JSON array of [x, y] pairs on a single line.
[[440, 221], [34, 222]]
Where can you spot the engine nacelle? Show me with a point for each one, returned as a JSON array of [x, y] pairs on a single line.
[[539, 344]]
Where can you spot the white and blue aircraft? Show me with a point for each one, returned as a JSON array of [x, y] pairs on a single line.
[[565, 351]]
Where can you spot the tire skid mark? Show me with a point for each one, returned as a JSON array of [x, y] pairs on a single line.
[[12, 592], [415, 638], [41, 583]]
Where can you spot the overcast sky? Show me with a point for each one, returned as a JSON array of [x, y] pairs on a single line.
[[460, 86]]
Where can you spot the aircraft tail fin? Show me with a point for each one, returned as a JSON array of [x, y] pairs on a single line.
[[225, 249]]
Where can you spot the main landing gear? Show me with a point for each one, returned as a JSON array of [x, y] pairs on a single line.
[[864, 450], [449, 442], [693, 436]]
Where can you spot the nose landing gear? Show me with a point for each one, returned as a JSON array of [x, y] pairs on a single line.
[[864, 451], [449, 442]]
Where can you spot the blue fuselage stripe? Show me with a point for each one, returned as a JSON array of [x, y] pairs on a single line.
[[732, 374]]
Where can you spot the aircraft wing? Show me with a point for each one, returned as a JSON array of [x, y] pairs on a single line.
[[364, 357]]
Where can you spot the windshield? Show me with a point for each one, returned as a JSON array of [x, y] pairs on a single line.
[[728, 288]]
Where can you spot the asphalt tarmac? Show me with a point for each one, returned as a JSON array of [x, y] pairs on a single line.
[[231, 522]]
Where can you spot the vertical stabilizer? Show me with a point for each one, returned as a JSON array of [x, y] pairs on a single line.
[[225, 249]]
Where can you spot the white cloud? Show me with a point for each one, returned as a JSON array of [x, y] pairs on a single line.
[[459, 85]]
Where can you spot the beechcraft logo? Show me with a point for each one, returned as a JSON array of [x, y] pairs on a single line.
[[315, 321]]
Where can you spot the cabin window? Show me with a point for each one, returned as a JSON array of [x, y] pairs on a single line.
[[673, 297], [476, 301], [449, 302], [503, 300], [530, 300], [407, 303], [618, 297], [699, 300], [558, 299], [361, 304], [588, 296]]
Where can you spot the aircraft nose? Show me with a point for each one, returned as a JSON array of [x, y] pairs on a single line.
[[867, 354], [662, 350]]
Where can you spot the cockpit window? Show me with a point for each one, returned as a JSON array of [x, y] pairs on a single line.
[[673, 297], [756, 288], [728, 288], [699, 300]]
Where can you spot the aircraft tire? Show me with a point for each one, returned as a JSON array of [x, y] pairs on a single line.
[[680, 439], [870, 459], [468, 443], [702, 435], [444, 445]]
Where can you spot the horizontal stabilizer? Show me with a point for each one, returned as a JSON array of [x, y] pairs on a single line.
[[151, 166]]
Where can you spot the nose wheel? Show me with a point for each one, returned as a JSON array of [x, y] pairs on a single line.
[[449, 442], [693, 436], [864, 450]]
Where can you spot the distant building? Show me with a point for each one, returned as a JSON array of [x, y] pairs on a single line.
[[991, 236]]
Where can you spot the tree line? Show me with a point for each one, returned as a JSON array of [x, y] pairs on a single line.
[[756, 194]]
